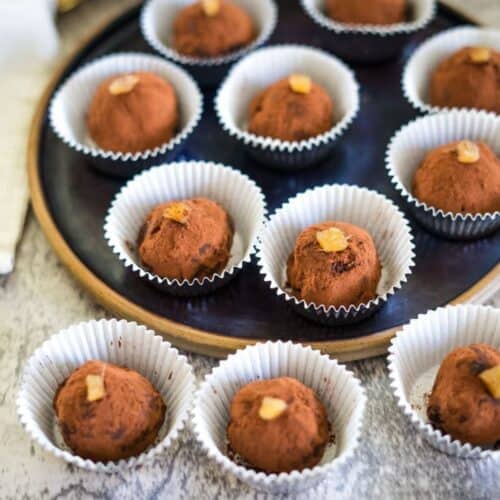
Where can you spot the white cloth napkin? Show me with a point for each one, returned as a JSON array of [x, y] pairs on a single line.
[[485, 12], [29, 44]]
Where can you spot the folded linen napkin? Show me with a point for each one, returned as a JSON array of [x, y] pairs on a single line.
[[29, 44], [484, 12]]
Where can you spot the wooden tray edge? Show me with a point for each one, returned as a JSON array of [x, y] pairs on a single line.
[[182, 336]]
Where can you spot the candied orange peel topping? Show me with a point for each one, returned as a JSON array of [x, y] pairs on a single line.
[[271, 408], [95, 387], [467, 152], [332, 239], [177, 212], [479, 55], [300, 84], [123, 84], [491, 379], [210, 7]]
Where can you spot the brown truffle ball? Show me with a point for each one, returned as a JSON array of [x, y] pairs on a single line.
[[470, 78], [198, 34], [282, 113], [122, 423], [460, 403], [444, 181], [334, 278], [186, 239], [132, 113], [290, 437], [362, 12]]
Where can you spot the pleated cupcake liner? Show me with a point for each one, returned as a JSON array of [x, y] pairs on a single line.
[[413, 141], [69, 106], [414, 358], [119, 342], [157, 18], [419, 68], [370, 43], [337, 388], [365, 208], [238, 195], [263, 68]]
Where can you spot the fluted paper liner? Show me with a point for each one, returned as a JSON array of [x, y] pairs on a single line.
[[157, 19], [234, 191], [365, 208], [338, 389], [68, 109], [413, 141], [119, 342], [418, 350], [264, 67], [423, 12], [370, 43], [419, 68]]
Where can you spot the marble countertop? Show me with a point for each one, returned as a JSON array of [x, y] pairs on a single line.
[[40, 298]]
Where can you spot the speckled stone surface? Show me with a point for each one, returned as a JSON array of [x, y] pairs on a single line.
[[40, 298]]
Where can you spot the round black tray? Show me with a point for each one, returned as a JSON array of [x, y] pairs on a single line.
[[71, 200]]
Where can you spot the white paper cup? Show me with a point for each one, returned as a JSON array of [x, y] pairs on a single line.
[[413, 141], [418, 350], [338, 389], [119, 342], [238, 195], [70, 103], [419, 68], [366, 42], [340, 202], [264, 67], [157, 20]]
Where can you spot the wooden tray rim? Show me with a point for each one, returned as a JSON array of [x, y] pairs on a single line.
[[182, 336]]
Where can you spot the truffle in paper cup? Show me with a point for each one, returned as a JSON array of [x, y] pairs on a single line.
[[263, 68], [359, 206], [366, 42], [419, 68], [413, 141], [157, 20], [235, 192], [70, 103], [416, 354], [338, 389], [119, 342]]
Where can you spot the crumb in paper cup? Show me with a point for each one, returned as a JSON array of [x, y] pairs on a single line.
[[419, 68], [339, 390], [157, 19], [119, 342], [366, 42], [413, 141], [359, 206], [416, 354], [68, 111], [235, 192], [266, 66]]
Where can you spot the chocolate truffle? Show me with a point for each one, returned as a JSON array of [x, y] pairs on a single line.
[[334, 264], [211, 28], [470, 78], [107, 413], [462, 403], [278, 425], [292, 109], [132, 113], [380, 12], [461, 177], [186, 239]]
